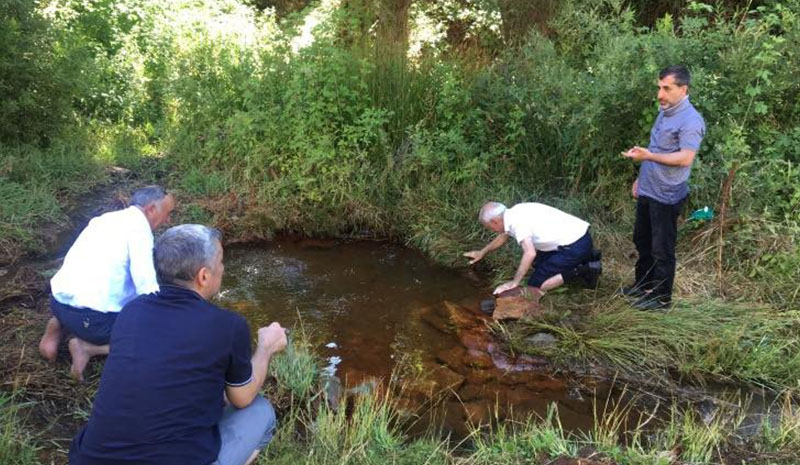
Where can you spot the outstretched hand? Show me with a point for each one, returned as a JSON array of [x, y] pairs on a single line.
[[272, 338], [474, 255], [505, 287]]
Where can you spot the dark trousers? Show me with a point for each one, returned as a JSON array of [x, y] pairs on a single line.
[[654, 234], [565, 258]]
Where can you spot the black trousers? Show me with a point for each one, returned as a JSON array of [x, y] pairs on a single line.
[[654, 234]]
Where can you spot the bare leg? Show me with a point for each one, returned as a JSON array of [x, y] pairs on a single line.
[[48, 346], [553, 282], [81, 352]]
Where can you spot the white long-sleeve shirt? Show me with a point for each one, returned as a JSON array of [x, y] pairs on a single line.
[[109, 264]]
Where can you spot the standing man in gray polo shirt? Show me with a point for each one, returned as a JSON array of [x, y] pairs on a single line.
[[662, 187]]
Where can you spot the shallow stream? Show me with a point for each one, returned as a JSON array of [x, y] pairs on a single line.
[[373, 304]]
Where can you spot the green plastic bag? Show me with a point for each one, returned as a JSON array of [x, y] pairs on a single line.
[[703, 214]]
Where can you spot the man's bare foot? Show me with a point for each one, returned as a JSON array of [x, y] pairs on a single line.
[[48, 346], [81, 352], [80, 358]]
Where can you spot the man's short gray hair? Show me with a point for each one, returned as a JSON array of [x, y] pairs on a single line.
[[147, 195], [182, 250], [490, 211]]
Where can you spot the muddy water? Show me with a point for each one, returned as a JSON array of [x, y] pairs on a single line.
[[370, 306]]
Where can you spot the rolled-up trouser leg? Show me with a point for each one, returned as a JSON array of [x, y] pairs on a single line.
[[243, 431]]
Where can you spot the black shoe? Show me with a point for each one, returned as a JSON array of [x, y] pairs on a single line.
[[591, 274], [650, 303], [632, 292]]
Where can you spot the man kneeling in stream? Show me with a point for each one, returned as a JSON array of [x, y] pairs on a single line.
[[557, 244], [173, 356]]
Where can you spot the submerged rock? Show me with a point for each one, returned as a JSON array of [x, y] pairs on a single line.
[[366, 388], [333, 391], [437, 380], [476, 340], [436, 321], [453, 358], [478, 413], [460, 316], [482, 376], [477, 359]]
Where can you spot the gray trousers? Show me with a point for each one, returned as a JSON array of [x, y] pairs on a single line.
[[243, 431]]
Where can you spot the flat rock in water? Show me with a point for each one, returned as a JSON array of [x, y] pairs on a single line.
[[446, 378], [475, 340], [469, 392], [477, 413], [480, 377], [477, 359], [436, 321], [438, 379], [542, 340], [453, 358], [460, 316], [516, 303]]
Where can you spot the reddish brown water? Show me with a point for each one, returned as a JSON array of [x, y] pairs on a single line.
[[365, 303]]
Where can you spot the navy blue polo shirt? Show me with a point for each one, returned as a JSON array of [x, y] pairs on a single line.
[[160, 397]]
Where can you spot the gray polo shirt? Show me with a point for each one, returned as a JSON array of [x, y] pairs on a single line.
[[676, 128]]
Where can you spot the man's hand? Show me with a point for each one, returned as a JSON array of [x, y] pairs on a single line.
[[635, 189], [505, 287], [637, 154], [272, 338], [475, 255]]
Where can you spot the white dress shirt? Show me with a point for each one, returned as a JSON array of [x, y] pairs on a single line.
[[109, 264], [547, 227]]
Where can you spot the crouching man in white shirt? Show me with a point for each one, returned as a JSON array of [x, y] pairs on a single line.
[[110, 263], [557, 244]]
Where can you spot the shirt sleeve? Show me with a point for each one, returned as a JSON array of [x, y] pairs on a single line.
[[240, 369], [143, 272], [691, 135]]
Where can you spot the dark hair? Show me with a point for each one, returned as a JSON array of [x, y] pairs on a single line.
[[679, 72], [147, 195], [182, 250]]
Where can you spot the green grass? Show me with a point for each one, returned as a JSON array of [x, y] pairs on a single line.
[[697, 339], [296, 369], [533, 440], [16, 447]]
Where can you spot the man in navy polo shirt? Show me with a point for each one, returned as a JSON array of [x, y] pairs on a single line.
[[173, 355], [662, 187]]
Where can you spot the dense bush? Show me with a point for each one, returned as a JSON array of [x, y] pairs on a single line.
[[341, 136]]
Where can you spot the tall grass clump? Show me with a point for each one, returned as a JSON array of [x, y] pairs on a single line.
[[361, 429], [698, 340], [531, 441], [16, 447], [296, 369]]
